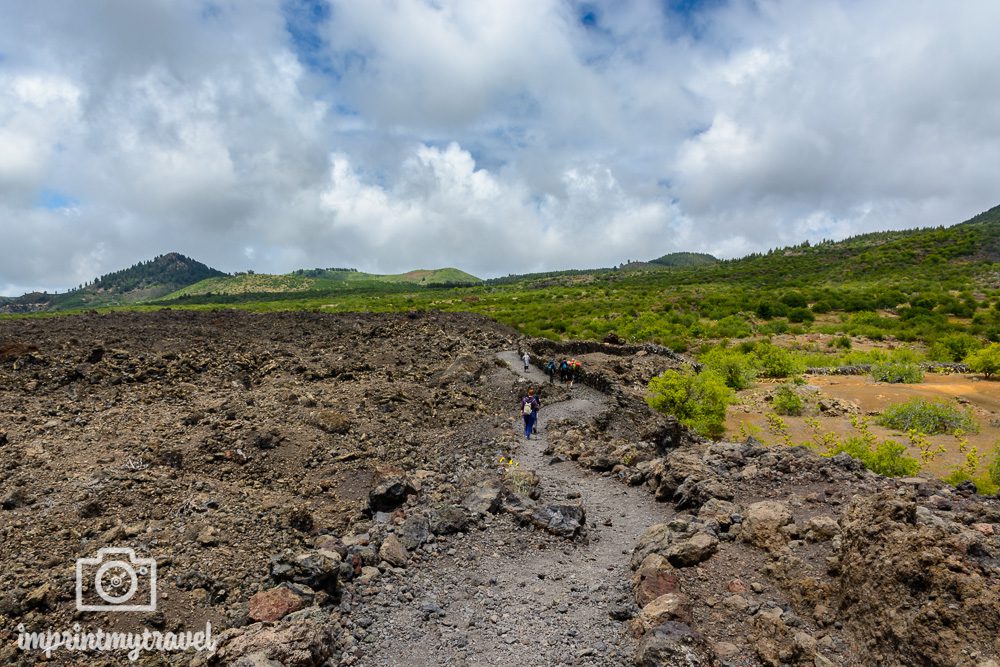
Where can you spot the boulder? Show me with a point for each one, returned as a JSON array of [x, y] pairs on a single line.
[[691, 551], [448, 520], [291, 644], [674, 644], [274, 604], [763, 524], [318, 570], [414, 531], [484, 498], [655, 577], [563, 519], [667, 607], [391, 489], [393, 552], [720, 511], [822, 528]]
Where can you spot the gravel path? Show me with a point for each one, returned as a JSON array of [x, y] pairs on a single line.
[[517, 596]]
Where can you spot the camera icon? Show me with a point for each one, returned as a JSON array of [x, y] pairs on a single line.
[[115, 580]]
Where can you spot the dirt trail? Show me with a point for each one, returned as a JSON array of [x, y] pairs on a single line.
[[502, 597]]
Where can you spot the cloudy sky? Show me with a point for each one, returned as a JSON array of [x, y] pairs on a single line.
[[498, 136]]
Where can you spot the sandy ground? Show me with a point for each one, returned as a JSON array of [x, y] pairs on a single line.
[[980, 396]]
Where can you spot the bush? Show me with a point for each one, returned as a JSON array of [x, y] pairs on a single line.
[[927, 417], [733, 326], [775, 362], [698, 400], [735, 367], [986, 360], [890, 459], [954, 347], [896, 372], [799, 315], [787, 401]]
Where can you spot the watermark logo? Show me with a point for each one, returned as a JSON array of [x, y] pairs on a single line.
[[116, 580]]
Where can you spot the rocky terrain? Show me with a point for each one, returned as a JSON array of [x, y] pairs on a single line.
[[353, 489]]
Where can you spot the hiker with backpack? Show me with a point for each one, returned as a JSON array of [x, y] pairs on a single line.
[[573, 368], [529, 411], [563, 370], [550, 370]]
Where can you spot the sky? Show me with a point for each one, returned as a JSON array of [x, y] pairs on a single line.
[[496, 136]]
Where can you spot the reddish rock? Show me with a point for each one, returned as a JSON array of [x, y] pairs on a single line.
[[655, 577], [274, 604]]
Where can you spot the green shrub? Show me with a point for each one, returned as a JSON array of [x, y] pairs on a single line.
[[799, 315], [787, 401], [890, 459], [698, 400], [735, 367], [927, 417], [986, 360], [993, 471], [843, 342], [776, 362], [897, 372], [954, 347], [733, 326]]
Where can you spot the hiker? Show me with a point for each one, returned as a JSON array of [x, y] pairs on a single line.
[[550, 369], [529, 411], [527, 361], [563, 370], [574, 367]]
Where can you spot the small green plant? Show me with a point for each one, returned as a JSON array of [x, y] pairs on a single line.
[[698, 400], [887, 458], [822, 440], [928, 418], [777, 426], [928, 452], [985, 361], [994, 468], [787, 401], [751, 430]]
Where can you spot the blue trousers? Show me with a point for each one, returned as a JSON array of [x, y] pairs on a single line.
[[529, 423]]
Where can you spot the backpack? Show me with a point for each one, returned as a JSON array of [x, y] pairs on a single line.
[[526, 408]]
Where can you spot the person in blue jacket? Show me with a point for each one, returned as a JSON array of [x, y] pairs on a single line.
[[529, 411]]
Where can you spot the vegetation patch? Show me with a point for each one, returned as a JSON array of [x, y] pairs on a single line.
[[697, 400], [928, 418]]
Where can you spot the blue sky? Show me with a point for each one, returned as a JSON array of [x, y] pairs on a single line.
[[498, 136]]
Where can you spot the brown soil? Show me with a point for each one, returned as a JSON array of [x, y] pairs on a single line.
[[964, 391], [244, 450]]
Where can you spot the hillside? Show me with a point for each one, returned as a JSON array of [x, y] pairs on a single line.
[[312, 280], [140, 282], [914, 285], [684, 259]]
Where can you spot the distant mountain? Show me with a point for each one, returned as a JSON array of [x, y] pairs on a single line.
[[685, 259], [143, 281]]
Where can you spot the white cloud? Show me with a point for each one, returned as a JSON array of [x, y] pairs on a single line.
[[498, 136]]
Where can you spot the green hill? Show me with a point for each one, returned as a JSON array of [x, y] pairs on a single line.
[[684, 259], [140, 282], [317, 280]]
